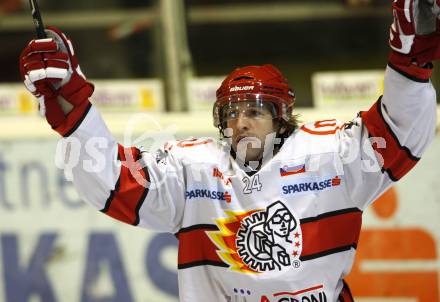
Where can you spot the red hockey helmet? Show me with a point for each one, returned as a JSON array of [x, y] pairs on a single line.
[[263, 84]]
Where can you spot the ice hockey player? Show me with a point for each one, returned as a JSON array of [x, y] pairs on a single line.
[[272, 211]]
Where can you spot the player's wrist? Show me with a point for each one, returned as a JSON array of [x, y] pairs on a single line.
[[73, 119], [75, 93], [410, 68], [77, 90]]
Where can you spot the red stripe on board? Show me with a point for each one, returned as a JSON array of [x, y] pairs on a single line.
[[124, 204], [397, 159], [196, 246], [330, 233]]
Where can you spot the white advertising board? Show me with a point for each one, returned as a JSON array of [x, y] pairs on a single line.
[[357, 89], [129, 95], [201, 93], [109, 95]]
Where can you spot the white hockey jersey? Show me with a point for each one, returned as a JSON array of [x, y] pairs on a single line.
[[286, 233]]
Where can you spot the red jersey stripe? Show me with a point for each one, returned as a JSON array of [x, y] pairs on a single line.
[[196, 248], [330, 233], [398, 159], [126, 199]]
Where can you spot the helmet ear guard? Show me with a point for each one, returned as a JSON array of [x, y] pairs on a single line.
[[255, 83]]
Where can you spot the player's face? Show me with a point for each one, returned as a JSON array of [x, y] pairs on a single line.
[[253, 129]]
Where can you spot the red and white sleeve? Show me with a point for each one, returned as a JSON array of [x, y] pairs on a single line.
[[391, 136], [126, 183]]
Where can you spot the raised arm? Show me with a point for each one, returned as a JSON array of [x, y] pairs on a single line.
[[124, 183], [405, 116], [397, 129]]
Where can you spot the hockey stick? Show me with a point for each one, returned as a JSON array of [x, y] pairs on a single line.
[[38, 22]]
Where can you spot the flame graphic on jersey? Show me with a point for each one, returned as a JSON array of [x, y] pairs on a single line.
[[226, 237]]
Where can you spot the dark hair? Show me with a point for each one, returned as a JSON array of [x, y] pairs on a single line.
[[290, 125]]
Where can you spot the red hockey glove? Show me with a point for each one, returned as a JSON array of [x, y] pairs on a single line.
[[415, 36], [50, 71]]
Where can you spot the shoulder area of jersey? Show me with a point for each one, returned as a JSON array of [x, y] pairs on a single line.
[[316, 137], [202, 148]]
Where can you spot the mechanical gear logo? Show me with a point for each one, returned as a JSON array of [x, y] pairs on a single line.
[[260, 241], [269, 240]]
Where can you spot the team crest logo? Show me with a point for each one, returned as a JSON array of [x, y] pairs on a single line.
[[259, 241]]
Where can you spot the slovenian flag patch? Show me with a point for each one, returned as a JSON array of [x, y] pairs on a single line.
[[286, 170]]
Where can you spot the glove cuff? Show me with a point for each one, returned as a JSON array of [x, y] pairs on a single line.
[[404, 65], [73, 119], [77, 90]]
